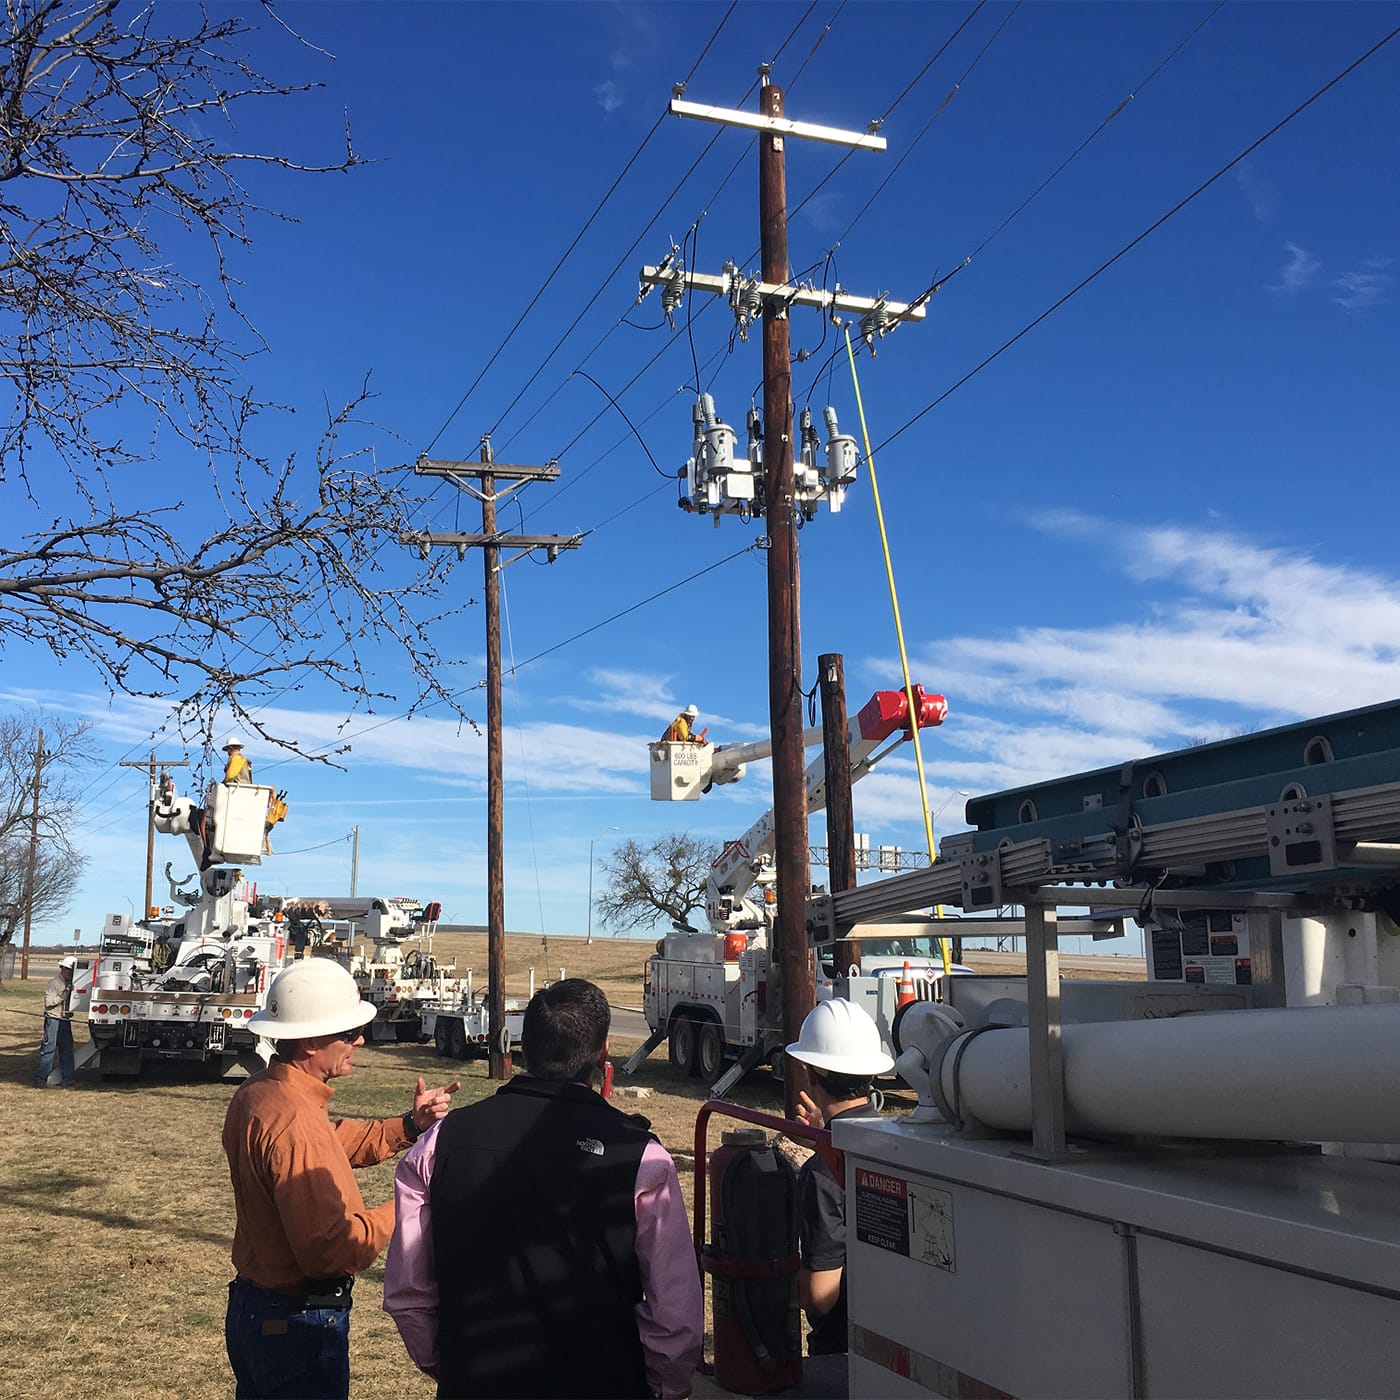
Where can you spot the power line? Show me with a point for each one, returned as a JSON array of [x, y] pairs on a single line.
[[1147, 232], [588, 223]]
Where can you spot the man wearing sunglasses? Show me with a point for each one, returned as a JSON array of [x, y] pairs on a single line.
[[303, 1230]]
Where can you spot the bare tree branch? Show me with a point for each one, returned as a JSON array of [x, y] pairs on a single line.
[[117, 142], [663, 880], [58, 860]]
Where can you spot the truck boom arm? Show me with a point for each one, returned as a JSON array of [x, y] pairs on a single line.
[[739, 865]]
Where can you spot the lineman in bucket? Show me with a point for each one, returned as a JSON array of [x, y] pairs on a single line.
[[840, 1045], [303, 1229]]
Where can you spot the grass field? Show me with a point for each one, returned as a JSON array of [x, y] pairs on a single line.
[[116, 1213]]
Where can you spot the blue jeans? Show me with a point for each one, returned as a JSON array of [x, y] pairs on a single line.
[[279, 1349], [58, 1035]]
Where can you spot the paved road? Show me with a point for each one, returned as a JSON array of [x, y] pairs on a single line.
[[629, 1024]]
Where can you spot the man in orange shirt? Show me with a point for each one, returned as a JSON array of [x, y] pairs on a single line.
[[303, 1230]]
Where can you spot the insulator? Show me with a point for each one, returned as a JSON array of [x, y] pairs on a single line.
[[809, 439], [751, 302], [875, 323], [673, 293]]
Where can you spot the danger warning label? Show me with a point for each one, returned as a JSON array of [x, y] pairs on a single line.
[[905, 1218]]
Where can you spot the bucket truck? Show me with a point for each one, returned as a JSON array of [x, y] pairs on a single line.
[[706, 993], [1182, 1186], [182, 984]]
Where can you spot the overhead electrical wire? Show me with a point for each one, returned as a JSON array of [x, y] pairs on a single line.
[[927, 126], [941, 50], [646, 230], [588, 223], [1146, 233], [1064, 164]]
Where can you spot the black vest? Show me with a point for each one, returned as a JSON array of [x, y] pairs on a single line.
[[534, 1237]]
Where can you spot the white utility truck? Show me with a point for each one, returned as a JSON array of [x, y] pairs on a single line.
[[458, 1023], [397, 969], [1183, 1186], [183, 985], [706, 993]]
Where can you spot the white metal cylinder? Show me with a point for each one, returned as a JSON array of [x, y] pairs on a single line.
[[1310, 1074]]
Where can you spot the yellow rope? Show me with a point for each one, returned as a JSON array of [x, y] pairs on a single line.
[[943, 946]]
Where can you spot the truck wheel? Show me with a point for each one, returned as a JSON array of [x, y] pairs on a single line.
[[440, 1037], [709, 1052], [457, 1040], [682, 1046]]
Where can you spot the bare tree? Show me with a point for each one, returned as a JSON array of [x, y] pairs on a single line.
[[58, 861], [663, 880], [118, 151]]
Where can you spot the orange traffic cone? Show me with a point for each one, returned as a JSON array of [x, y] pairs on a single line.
[[905, 991]]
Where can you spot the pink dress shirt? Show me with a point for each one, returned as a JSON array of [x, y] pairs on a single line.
[[670, 1316]]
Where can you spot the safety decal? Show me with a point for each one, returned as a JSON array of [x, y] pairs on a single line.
[[906, 1218]]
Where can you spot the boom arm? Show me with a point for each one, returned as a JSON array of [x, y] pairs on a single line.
[[742, 863]]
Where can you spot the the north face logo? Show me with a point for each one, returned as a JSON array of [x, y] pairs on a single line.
[[590, 1145]]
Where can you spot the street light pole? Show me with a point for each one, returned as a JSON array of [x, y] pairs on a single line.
[[591, 841], [589, 939]]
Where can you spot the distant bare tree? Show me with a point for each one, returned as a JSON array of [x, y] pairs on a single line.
[[247, 576], [665, 879], [59, 861]]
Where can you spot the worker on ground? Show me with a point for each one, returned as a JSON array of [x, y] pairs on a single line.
[[840, 1045], [542, 1247], [58, 1027], [239, 768], [303, 1230], [681, 730]]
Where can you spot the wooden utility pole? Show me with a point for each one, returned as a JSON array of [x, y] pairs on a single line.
[[791, 955], [488, 471], [794, 878], [33, 858], [840, 816], [150, 766]]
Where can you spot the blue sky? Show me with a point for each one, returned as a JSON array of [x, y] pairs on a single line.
[[1166, 513]]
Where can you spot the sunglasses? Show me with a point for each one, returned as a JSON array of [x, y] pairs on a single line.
[[350, 1036]]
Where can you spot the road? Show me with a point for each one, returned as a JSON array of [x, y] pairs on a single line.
[[629, 1024]]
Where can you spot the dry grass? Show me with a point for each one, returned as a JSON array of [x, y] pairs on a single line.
[[116, 1214], [615, 964]]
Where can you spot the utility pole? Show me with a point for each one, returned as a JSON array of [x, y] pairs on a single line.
[[488, 471], [792, 961], [354, 860], [794, 878], [150, 767], [33, 857], [840, 816]]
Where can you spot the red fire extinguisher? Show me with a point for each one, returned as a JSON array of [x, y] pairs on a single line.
[[752, 1259]]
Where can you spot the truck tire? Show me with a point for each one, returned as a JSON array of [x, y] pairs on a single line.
[[681, 1046], [457, 1040], [709, 1052], [440, 1037]]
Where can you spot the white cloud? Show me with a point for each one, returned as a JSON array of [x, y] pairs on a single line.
[[654, 699], [1297, 273], [1262, 197], [1368, 286], [1247, 634], [608, 95]]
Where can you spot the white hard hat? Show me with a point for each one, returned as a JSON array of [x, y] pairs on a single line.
[[691, 711], [314, 996], [838, 1036], [69, 963], [232, 744]]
